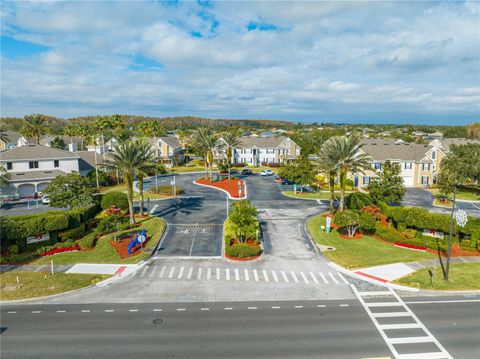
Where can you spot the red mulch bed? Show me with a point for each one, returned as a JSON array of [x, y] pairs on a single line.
[[355, 237], [122, 246], [229, 185]]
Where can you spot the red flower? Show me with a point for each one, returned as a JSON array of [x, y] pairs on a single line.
[[410, 246]]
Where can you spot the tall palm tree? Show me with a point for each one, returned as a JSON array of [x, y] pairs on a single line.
[[93, 139], [129, 157], [328, 166], [231, 140], [343, 151], [35, 126], [203, 139]]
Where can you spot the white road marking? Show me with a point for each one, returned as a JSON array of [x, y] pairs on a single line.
[[343, 278], [227, 274], [181, 309], [204, 308], [304, 277], [391, 314], [295, 279], [38, 269], [85, 311], [247, 278], [333, 278], [144, 271], [109, 310], [12, 312], [321, 306], [298, 306], [153, 272], [265, 276], [209, 273], [157, 310], [180, 273], [275, 307], [154, 208], [162, 272], [344, 305], [193, 241], [384, 304], [313, 277], [409, 340], [229, 308], [323, 278], [445, 301], [133, 310], [237, 275], [170, 275], [218, 273], [199, 274], [400, 326], [255, 275], [374, 293], [36, 311], [61, 311], [284, 275], [190, 272], [274, 275], [252, 308]]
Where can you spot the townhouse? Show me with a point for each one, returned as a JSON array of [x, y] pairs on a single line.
[[257, 151], [445, 143], [419, 163]]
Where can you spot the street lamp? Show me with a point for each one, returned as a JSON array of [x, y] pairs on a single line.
[[460, 216]]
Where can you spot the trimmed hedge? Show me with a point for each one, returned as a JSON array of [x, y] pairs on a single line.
[[88, 241], [74, 233], [242, 250], [115, 199]]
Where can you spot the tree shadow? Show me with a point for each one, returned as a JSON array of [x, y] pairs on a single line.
[[439, 253]]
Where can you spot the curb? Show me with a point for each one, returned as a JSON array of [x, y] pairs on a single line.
[[221, 189]]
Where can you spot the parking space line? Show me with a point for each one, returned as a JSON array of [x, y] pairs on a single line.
[[295, 279], [170, 275], [314, 278], [284, 275], [265, 276], [162, 272], [180, 273], [247, 278], [228, 308], [109, 310], [199, 275], [193, 241], [333, 278], [218, 273], [274, 275], [153, 272], [227, 274], [323, 278], [190, 272], [209, 273], [61, 311], [255, 275], [204, 308], [237, 275], [304, 277], [252, 308]]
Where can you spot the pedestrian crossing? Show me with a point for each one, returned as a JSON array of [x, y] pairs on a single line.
[[168, 272]]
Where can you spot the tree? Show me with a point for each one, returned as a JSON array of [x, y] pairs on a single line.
[[34, 126], [4, 136], [57, 142], [349, 220], [462, 163], [103, 178], [231, 141], [388, 185], [152, 129], [4, 175], [242, 215], [344, 153], [71, 190], [207, 142], [358, 200], [116, 199], [299, 171], [328, 165], [446, 182], [127, 159]]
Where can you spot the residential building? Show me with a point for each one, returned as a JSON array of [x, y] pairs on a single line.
[[32, 167], [419, 163], [445, 143], [72, 143], [14, 140], [255, 151]]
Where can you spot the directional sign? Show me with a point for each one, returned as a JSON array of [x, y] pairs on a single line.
[[141, 238]]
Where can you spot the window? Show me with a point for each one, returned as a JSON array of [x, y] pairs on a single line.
[[9, 166], [425, 166], [378, 165], [434, 154], [366, 180], [408, 165], [425, 180], [33, 164], [56, 163]]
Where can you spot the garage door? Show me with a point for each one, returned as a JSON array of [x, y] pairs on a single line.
[[26, 190], [408, 181], [41, 187]]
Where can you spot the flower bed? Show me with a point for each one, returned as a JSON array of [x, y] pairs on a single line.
[[60, 250], [121, 245], [227, 185], [410, 246]]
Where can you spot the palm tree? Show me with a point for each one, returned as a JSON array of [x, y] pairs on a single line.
[[343, 151], [35, 126], [92, 139], [328, 166], [4, 175], [4, 136], [129, 158], [231, 141], [203, 139]]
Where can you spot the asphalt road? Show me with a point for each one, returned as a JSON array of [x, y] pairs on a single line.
[[313, 329]]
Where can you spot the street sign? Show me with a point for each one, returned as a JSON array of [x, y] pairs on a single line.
[[141, 238], [328, 221]]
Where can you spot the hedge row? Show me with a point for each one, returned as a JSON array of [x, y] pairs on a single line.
[[390, 234]]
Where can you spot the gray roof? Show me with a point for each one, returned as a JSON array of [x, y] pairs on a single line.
[[260, 142], [382, 151], [12, 136], [67, 139], [381, 140], [447, 142], [87, 159], [171, 141], [34, 175], [35, 152]]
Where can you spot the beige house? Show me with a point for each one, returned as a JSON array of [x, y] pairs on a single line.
[[419, 163], [445, 143]]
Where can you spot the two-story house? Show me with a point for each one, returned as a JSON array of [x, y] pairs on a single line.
[[32, 167], [257, 151], [419, 163]]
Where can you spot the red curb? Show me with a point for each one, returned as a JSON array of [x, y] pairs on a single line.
[[372, 277], [120, 270]]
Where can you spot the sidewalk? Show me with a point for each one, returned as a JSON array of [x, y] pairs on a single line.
[[34, 268], [81, 268]]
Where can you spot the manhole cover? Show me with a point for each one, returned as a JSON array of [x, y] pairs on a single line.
[[157, 321]]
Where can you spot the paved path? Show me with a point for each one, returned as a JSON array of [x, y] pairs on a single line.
[[4, 268]]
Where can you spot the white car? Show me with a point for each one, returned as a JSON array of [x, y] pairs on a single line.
[[45, 199], [266, 173]]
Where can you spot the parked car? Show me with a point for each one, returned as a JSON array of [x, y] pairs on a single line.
[[246, 172], [266, 173], [45, 199]]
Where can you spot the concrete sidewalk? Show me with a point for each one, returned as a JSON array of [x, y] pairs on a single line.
[[111, 269], [5, 268]]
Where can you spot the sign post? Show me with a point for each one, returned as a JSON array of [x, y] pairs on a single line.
[[239, 189], [141, 238], [328, 223]]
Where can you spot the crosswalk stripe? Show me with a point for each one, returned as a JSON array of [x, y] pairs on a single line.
[[190, 272], [265, 276], [391, 314], [275, 278], [180, 273], [227, 274], [162, 272], [218, 273], [152, 273], [237, 276], [323, 278], [333, 278], [313, 277], [343, 278], [247, 278], [295, 279], [255, 275], [284, 275], [209, 273], [199, 275], [170, 275], [304, 277], [144, 271], [409, 340]]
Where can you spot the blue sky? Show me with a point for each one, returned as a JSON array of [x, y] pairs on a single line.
[[415, 62]]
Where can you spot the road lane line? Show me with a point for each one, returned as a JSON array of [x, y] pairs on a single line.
[[199, 275], [252, 308], [255, 275], [274, 275], [157, 310], [343, 278], [170, 275], [275, 307], [180, 273], [12, 312], [133, 310], [323, 278], [314, 278], [247, 278], [227, 274], [85, 311], [304, 277], [193, 241], [36, 311], [228, 308], [284, 275], [181, 309], [190, 272], [61, 311], [204, 308], [321, 306], [344, 305], [295, 279], [237, 275], [162, 272], [209, 273], [265, 276], [333, 278], [109, 310], [298, 306]]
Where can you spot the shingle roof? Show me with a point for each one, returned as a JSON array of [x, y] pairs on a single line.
[[260, 142], [35, 152], [67, 139], [171, 141], [33, 175], [447, 142], [12, 136], [382, 151]]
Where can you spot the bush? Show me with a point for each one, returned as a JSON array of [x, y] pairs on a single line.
[[13, 249], [111, 224], [263, 163], [274, 164], [166, 190], [358, 200], [349, 220], [115, 199], [240, 164], [349, 182], [88, 241], [73, 233], [242, 250], [19, 258], [367, 222]]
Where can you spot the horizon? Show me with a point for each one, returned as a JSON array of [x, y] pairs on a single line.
[[326, 62]]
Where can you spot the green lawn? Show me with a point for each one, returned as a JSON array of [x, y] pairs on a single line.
[[365, 252], [38, 285], [136, 197], [104, 252], [462, 276], [313, 195], [182, 169], [465, 193]]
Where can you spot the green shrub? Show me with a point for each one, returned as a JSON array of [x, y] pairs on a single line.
[[19, 258], [367, 222], [166, 190], [358, 200], [13, 249], [349, 220], [74, 233], [115, 199], [401, 226], [111, 224], [410, 233], [242, 250], [87, 241]]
